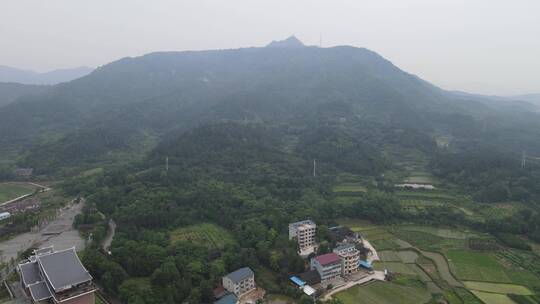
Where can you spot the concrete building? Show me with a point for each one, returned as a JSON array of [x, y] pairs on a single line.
[[350, 256], [51, 276], [327, 265], [240, 281], [304, 232]]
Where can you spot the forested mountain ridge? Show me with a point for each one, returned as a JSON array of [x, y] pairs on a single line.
[[141, 99]]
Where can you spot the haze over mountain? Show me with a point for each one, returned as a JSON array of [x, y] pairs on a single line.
[[132, 103], [9, 92], [10, 74], [532, 98]]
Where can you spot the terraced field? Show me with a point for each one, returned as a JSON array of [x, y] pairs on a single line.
[[206, 234], [442, 259], [498, 288], [493, 298], [477, 266]]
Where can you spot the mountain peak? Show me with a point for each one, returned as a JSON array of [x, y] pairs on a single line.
[[291, 42]]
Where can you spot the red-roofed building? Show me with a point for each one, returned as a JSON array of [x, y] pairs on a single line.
[[327, 265]]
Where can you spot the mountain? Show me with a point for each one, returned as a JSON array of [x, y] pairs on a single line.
[[9, 92], [291, 42], [130, 105], [532, 98], [9, 74]]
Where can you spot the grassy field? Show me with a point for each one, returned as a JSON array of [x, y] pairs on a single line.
[[349, 187], [9, 191], [384, 293], [498, 288], [492, 298], [477, 266], [206, 234], [397, 267]]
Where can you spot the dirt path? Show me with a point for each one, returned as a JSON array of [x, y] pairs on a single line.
[[110, 236]]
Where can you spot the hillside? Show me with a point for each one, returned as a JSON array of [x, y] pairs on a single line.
[[130, 104], [9, 92]]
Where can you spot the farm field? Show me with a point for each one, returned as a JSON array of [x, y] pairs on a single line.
[[493, 298], [443, 260], [349, 187], [384, 293], [9, 191], [477, 266], [498, 288], [206, 234]]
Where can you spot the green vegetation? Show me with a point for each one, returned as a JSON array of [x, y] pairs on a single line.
[[384, 293], [349, 188], [513, 241], [10, 191], [497, 288], [477, 266], [206, 234], [492, 298]]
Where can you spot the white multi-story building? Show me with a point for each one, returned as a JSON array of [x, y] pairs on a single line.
[[327, 265], [240, 281], [350, 256], [304, 232]]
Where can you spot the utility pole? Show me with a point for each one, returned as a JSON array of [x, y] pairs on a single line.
[[314, 168], [523, 159], [166, 164]]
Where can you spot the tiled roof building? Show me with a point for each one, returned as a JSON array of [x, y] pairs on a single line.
[[56, 277]]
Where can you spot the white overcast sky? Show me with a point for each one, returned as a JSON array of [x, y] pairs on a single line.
[[484, 46]]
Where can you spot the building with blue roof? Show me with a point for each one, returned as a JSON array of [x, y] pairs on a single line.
[[227, 299], [296, 280]]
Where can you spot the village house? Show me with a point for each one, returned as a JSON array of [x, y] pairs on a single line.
[[327, 265], [50, 276], [240, 281], [350, 257], [304, 232]]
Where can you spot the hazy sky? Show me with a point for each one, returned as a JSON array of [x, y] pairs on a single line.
[[485, 46]]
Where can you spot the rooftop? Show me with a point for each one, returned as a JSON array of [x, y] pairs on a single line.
[[30, 273], [40, 291], [228, 299], [344, 247], [63, 269], [329, 258], [300, 223], [240, 274]]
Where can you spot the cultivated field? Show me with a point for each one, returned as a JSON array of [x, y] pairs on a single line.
[[9, 191], [492, 298], [498, 288], [452, 263], [384, 293], [349, 187], [206, 234], [477, 266]]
